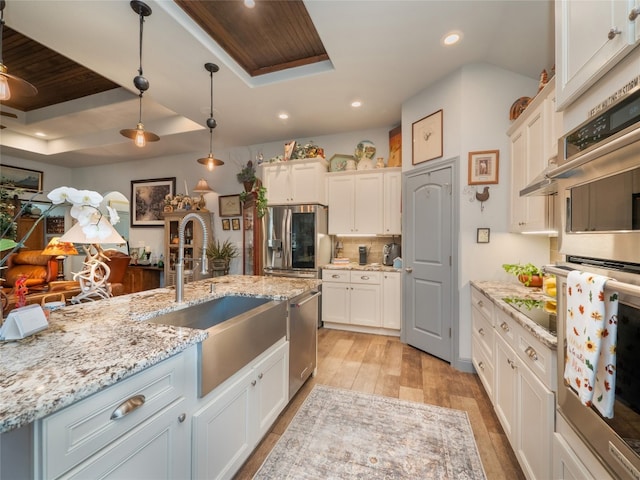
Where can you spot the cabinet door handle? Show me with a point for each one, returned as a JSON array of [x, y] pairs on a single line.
[[253, 383], [504, 326], [408, 269], [260, 376], [633, 14], [511, 363], [533, 355], [481, 331], [613, 32], [481, 366], [480, 303], [182, 417], [128, 406]]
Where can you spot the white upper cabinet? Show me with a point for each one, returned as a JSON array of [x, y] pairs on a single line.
[[591, 37], [534, 142], [295, 182], [365, 202]]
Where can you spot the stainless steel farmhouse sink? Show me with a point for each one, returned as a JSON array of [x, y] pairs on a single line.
[[240, 329]]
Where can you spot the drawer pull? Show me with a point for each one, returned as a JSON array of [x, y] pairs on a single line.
[[504, 326], [364, 277], [182, 417], [533, 355], [511, 363], [481, 366], [481, 331], [128, 406], [260, 376], [480, 303], [253, 383], [613, 32], [335, 276]]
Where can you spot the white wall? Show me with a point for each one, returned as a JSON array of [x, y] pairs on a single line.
[[475, 102], [118, 177]]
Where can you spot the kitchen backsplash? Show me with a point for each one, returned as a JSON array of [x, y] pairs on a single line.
[[374, 247]]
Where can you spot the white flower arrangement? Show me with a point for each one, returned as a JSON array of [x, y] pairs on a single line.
[[85, 209]]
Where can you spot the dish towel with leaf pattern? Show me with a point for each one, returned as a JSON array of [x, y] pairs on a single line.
[[592, 326]]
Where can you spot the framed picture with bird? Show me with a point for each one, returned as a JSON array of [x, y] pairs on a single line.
[[484, 167]]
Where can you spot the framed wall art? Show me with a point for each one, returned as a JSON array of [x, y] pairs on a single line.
[[147, 200], [229, 205], [23, 178], [483, 235], [484, 167], [427, 138], [226, 224], [235, 223]]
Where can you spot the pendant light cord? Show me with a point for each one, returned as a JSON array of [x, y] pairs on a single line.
[[1, 28], [141, 26]]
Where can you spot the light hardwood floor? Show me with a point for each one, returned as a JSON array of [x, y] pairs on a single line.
[[383, 365]]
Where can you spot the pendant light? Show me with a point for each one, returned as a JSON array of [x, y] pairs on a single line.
[[139, 136], [209, 161], [10, 84]]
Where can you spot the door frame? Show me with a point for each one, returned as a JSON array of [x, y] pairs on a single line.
[[455, 253]]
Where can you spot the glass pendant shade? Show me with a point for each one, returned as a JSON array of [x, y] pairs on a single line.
[[139, 136], [209, 161], [10, 84]]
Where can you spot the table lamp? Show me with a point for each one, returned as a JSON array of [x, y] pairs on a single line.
[[60, 250], [202, 187], [94, 278]]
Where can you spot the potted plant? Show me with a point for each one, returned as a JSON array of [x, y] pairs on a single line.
[[247, 175], [221, 254], [529, 275], [261, 199]]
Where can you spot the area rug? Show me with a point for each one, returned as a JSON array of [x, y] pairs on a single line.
[[342, 434]]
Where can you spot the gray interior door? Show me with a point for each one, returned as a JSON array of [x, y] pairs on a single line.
[[427, 235]]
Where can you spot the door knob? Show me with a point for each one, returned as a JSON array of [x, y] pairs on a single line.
[[408, 269]]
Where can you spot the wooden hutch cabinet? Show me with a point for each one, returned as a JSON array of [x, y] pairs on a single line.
[[251, 238], [193, 245]]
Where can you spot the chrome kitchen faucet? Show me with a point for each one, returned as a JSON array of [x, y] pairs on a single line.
[[180, 262]]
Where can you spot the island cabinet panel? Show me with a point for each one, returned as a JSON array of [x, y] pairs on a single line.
[[120, 428], [237, 414]]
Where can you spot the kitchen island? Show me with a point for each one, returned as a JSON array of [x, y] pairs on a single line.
[[91, 346]]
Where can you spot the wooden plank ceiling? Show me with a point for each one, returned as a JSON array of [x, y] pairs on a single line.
[[273, 36]]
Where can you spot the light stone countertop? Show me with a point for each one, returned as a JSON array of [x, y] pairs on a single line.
[[91, 346], [369, 267], [496, 291]]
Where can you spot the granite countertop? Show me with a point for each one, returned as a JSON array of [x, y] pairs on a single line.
[[369, 267], [496, 291], [90, 346]]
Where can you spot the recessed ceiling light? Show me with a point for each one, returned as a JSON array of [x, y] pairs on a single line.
[[249, 3], [283, 116], [356, 103], [452, 38], [40, 134]]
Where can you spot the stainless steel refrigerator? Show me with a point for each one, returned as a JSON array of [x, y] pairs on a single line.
[[296, 243]]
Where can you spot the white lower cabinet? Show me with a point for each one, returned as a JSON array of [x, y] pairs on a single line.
[[392, 300], [524, 405], [362, 300], [230, 425], [518, 373], [137, 428]]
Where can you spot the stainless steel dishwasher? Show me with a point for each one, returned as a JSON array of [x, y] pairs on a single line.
[[303, 339]]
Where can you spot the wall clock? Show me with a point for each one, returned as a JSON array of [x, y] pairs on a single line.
[[229, 205]]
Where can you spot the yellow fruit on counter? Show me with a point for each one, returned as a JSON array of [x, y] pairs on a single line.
[[550, 307], [551, 291]]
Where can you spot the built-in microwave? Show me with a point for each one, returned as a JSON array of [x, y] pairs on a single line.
[[599, 185]]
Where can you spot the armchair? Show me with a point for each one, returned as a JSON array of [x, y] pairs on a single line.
[[39, 269]]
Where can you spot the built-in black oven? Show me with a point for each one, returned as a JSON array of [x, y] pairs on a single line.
[[614, 441]]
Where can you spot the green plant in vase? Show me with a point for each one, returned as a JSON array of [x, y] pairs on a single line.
[[221, 254], [247, 175], [261, 199]]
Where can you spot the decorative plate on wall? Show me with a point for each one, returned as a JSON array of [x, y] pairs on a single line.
[[365, 149]]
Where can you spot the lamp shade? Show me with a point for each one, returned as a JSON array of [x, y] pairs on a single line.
[[57, 247], [103, 232], [202, 187]]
